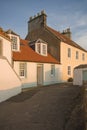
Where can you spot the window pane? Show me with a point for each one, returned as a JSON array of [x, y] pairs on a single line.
[[44, 49], [69, 52], [22, 69], [14, 42], [83, 56], [77, 54], [52, 69], [38, 48], [69, 70]]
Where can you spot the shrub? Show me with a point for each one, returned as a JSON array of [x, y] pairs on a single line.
[[70, 79]]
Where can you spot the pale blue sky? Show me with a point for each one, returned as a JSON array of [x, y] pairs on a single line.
[[61, 14]]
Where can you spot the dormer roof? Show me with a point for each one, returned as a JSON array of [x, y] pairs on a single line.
[[11, 32]]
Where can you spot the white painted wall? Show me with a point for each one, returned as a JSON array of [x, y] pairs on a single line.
[[6, 47], [10, 83], [77, 80], [78, 76], [31, 79], [51, 79]]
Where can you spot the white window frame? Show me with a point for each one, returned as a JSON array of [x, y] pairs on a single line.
[[52, 70], [44, 49], [38, 48], [69, 70], [22, 69], [41, 48]]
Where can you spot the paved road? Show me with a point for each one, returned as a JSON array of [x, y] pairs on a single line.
[[42, 108]]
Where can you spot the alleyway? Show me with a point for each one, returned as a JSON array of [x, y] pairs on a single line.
[[45, 108]]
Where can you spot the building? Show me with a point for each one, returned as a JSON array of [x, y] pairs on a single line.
[[10, 84], [33, 64], [60, 45]]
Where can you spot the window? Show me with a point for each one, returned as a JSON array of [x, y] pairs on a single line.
[[1, 48], [38, 48], [22, 70], [14, 43], [83, 56], [52, 69], [69, 70], [77, 55], [41, 48], [69, 52], [44, 49]]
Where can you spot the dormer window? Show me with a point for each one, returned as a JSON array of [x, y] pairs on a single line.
[[41, 48], [15, 40]]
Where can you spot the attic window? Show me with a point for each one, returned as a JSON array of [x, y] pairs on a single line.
[[38, 48], [44, 49], [14, 43]]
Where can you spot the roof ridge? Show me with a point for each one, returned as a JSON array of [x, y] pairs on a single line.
[[64, 38]]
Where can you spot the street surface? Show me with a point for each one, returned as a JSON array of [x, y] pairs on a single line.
[[44, 108]]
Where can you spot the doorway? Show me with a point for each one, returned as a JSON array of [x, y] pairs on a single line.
[[39, 74]]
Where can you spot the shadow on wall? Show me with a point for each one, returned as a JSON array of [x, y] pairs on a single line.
[[53, 78]]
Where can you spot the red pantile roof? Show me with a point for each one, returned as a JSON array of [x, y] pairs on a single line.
[[64, 38], [4, 34], [29, 55]]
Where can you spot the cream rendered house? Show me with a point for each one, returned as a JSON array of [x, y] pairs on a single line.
[[71, 56], [10, 83]]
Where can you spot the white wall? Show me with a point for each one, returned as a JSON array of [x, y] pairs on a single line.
[[6, 48], [31, 78], [77, 80], [51, 79], [10, 83]]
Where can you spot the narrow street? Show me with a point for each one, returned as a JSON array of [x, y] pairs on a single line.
[[45, 108]]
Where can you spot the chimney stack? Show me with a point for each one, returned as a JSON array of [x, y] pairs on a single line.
[[67, 33], [37, 21]]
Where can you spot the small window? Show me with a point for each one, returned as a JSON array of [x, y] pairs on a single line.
[[22, 70], [83, 56], [14, 43], [69, 52], [77, 55], [52, 69], [38, 48], [69, 70], [44, 49]]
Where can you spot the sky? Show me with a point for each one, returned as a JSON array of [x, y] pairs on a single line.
[[61, 14]]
